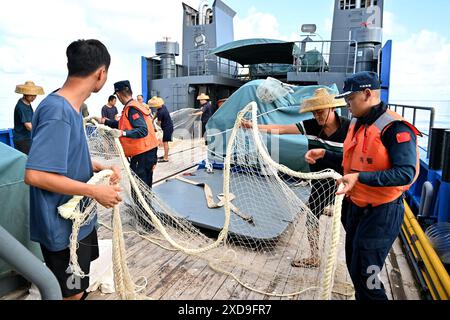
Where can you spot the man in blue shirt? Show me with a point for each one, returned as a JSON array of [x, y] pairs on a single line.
[[109, 111], [59, 165], [23, 115]]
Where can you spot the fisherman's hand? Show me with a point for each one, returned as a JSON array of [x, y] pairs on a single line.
[[313, 155], [349, 181], [107, 196], [116, 176], [247, 124]]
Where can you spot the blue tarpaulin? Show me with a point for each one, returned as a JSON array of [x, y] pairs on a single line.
[[14, 200], [283, 111]]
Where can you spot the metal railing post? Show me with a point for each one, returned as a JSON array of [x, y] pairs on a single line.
[[30, 267]]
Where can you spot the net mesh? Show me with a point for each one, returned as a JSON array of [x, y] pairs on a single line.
[[273, 218]]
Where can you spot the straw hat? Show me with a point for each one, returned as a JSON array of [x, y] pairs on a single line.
[[30, 89], [156, 102], [322, 99], [203, 97]]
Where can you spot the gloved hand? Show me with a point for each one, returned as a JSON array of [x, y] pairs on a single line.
[[106, 131], [90, 120]]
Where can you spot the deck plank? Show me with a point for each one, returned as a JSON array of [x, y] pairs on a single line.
[[185, 281], [176, 276]]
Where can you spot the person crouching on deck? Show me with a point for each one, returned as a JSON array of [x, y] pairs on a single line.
[[327, 130], [59, 165], [380, 162]]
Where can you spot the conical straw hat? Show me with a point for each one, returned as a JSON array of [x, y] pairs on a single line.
[[30, 89], [156, 102], [322, 99], [203, 97]]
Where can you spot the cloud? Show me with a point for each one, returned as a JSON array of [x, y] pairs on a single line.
[[257, 24], [391, 28], [33, 46], [420, 67]]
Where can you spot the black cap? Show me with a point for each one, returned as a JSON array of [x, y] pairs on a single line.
[[121, 85], [359, 82]]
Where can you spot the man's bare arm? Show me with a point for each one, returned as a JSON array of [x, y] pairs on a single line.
[[107, 196], [274, 128]]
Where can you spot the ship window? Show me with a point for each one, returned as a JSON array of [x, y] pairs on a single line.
[[368, 3], [348, 4]]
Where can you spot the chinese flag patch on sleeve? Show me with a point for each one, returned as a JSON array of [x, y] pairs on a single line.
[[403, 137], [135, 116]]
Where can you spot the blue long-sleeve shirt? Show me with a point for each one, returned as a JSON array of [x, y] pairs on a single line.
[[140, 129], [403, 156]]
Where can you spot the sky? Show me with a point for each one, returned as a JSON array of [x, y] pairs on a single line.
[[34, 36]]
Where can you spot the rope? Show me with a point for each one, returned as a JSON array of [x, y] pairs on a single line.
[[127, 289], [327, 283]]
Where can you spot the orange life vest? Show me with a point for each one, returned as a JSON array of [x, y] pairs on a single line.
[[134, 147], [364, 152]]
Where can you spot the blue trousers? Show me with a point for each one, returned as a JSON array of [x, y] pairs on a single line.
[[142, 165], [371, 232]]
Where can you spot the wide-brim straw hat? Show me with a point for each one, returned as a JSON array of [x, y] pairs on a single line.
[[29, 89], [203, 97], [321, 100], [156, 102]]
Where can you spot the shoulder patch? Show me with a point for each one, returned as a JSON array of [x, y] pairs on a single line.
[[403, 137], [136, 116]]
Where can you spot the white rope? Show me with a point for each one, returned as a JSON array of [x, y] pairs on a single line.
[[71, 211], [124, 284], [328, 174]]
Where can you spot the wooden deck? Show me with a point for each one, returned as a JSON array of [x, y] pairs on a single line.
[[176, 276]]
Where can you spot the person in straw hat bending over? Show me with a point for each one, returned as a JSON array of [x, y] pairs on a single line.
[[166, 124], [326, 131], [23, 115]]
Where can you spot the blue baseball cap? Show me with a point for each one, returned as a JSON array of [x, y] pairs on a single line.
[[359, 82], [121, 85]]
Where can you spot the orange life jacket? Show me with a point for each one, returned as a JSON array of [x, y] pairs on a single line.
[[364, 152], [134, 147]]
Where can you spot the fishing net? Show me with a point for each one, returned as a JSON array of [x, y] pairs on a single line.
[[272, 218], [186, 126]]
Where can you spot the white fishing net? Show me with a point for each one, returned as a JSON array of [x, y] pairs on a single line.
[[271, 218]]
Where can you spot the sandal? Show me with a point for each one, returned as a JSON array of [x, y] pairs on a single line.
[[163, 161]]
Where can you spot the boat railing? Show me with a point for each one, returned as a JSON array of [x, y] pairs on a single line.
[[202, 63], [410, 113], [30, 267], [329, 60]]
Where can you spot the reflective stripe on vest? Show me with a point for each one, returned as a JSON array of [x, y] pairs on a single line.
[[364, 152], [134, 147]]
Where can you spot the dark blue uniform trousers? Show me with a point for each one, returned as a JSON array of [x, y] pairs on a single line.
[[371, 233], [142, 165]]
